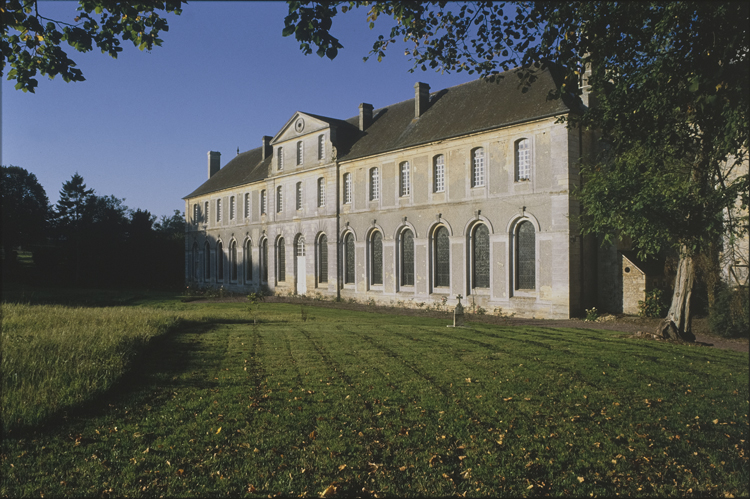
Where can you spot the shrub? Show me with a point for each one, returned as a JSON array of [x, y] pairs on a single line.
[[730, 315], [653, 305], [591, 314]]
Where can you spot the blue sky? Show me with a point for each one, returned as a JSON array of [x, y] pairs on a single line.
[[140, 126]]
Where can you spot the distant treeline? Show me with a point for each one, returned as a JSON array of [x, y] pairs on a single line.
[[86, 239]]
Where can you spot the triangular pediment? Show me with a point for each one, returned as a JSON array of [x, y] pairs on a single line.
[[299, 125]]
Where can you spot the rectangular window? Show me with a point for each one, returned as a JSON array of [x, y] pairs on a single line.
[[374, 184], [279, 200], [321, 146], [280, 158], [477, 178], [263, 202], [298, 197], [196, 211], [405, 180], [218, 210], [347, 188], [523, 160], [232, 208], [300, 152], [205, 212], [247, 205], [439, 173], [321, 192]]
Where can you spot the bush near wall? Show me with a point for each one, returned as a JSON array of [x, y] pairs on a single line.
[[730, 315]]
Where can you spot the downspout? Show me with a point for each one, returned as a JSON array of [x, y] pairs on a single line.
[[338, 227]]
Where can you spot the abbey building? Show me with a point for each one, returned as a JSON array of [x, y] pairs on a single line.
[[462, 191]]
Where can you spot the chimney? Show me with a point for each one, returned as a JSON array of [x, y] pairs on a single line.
[[365, 116], [214, 163], [421, 98], [267, 150]]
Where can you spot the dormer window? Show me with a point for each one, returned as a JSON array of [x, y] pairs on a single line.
[[280, 158]]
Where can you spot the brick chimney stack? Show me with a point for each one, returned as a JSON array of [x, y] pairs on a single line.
[[214, 163], [421, 98], [267, 150], [365, 116]]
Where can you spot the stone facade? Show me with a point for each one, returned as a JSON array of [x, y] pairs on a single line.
[[466, 191]]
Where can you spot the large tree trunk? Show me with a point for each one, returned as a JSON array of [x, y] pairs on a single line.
[[677, 325]]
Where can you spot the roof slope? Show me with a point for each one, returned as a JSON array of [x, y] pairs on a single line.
[[468, 108], [463, 109]]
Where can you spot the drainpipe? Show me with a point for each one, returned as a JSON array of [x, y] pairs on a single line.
[[338, 227]]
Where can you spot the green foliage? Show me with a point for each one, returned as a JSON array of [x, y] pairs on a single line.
[[32, 43], [395, 405], [592, 314], [730, 315], [654, 305], [25, 209]]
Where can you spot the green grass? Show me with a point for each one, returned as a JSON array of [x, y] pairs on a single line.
[[393, 405]]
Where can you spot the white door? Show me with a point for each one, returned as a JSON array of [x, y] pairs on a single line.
[[301, 267]]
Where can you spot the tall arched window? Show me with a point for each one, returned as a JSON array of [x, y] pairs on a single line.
[[196, 262], [323, 258], [280, 260], [525, 256], [349, 258], [480, 256], [523, 160], [439, 173], [248, 261], [404, 180], [374, 184], [206, 262], [233, 261], [219, 261], [441, 245], [264, 260], [477, 167], [376, 258], [407, 258]]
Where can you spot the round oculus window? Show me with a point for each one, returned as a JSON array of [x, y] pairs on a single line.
[[299, 125]]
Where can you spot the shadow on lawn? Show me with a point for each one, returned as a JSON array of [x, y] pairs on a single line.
[[155, 373]]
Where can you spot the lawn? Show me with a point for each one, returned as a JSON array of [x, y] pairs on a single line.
[[313, 401]]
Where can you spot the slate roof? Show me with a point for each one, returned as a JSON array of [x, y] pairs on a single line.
[[467, 108]]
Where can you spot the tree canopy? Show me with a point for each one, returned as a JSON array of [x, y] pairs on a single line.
[[32, 43], [25, 208], [666, 84]]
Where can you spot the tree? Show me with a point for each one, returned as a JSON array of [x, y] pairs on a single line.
[[668, 87], [33, 43], [25, 209]]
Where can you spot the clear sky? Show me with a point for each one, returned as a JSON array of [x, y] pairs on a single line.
[[140, 126]]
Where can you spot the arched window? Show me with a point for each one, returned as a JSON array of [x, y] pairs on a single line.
[[349, 258], [196, 262], [279, 200], [477, 167], [374, 184], [206, 262], [439, 173], [323, 258], [525, 256], [248, 261], [376, 258], [219, 261], [523, 160], [407, 258], [480, 256], [280, 260], [264, 260], [442, 269], [233, 261], [347, 188]]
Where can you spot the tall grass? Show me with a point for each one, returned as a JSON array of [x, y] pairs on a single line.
[[54, 357]]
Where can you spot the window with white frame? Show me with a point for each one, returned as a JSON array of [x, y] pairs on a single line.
[[347, 188], [218, 210], [374, 184], [279, 200], [405, 179], [523, 160], [321, 192], [263, 202], [280, 158], [232, 208], [298, 196], [247, 205], [300, 152], [438, 171], [321, 146], [477, 167]]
